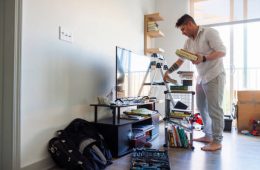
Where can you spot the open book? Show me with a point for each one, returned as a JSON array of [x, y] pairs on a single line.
[[185, 54]]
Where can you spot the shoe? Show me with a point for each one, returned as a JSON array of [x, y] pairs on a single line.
[[212, 147]]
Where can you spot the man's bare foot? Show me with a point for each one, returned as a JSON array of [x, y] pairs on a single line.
[[203, 139], [212, 147]]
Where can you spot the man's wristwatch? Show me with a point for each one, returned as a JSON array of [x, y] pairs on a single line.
[[204, 59]]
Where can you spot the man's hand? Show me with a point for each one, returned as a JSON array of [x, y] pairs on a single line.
[[166, 76], [168, 79], [199, 60]]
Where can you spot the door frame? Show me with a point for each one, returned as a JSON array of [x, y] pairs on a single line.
[[10, 74]]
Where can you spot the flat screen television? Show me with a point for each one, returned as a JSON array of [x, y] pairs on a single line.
[[130, 73]]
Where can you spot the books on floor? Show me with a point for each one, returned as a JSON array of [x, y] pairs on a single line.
[[177, 137]]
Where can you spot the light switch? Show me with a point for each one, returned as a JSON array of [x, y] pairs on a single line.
[[65, 35]]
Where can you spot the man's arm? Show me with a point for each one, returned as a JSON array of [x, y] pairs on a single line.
[[212, 56], [175, 66], [215, 43]]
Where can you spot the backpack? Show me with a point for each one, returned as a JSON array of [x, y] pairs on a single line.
[[88, 142], [65, 155]]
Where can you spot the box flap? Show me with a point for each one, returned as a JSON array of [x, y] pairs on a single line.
[[248, 96]]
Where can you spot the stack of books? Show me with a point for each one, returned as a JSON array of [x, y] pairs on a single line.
[[185, 54], [177, 87], [152, 26], [131, 117], [186, 74], [179, 114], [186, 81], [143, 112], [177, 137]]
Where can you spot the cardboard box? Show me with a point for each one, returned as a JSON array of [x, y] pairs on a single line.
[[248, 108], [244, 96]]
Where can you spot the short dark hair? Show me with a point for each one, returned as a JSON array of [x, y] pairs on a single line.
[[183, 20]]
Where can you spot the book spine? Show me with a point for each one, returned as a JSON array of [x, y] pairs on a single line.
[[174, 137]]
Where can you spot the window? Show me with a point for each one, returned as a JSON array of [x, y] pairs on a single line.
[[238, 22]]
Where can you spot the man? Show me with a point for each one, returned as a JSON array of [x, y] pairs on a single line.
[[207, 45]]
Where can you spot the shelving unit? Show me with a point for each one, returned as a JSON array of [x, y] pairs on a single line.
[[116, 131], [149, 35], [184, 123]]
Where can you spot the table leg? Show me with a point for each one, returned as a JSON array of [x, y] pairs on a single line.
[[95, 112], [118, 115], [114, 115]]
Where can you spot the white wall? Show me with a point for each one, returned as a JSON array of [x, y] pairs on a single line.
[[59, 79], [171, 11]]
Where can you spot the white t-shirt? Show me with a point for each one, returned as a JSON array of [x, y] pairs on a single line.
[[207, 41]]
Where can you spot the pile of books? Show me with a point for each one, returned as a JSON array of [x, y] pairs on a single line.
[[186, 81], [177, 137], [152, 26], [137, 114], [186, 74], [179, 114]]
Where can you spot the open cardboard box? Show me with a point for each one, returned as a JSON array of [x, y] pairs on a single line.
[[248, 108]]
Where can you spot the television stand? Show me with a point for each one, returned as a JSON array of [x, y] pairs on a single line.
[[116, 131], [116, 109]]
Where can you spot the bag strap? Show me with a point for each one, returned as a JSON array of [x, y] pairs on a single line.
[[85, 143]]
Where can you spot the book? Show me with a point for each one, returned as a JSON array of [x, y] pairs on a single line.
[[177, 87], [140, 112], [179, 114], [183, 137], [178, 140], [170, 136], [186, 74], [131, 117], [180, 105], [185, 54], [174, 138], [152, 29], [143, 128]]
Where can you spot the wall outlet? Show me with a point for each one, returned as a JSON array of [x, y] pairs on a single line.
[[65, 35]]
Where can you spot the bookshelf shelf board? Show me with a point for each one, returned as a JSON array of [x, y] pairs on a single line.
[[151, 31], [154, 50], [155, 34], [154, 17]]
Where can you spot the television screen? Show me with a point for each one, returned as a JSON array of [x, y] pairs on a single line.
[[130, 73]]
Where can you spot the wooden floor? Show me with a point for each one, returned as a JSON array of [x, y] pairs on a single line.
[[239, 152]]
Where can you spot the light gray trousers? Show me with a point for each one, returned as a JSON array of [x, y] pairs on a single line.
[[209, 99]]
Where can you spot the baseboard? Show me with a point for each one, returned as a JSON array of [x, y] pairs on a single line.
[[44, 164]]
